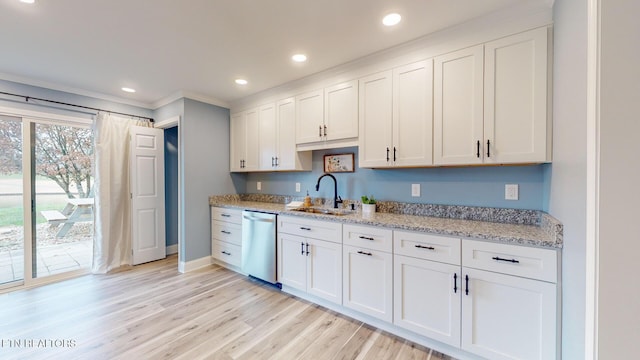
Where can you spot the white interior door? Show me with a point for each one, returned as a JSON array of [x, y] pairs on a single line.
[[147, 194]]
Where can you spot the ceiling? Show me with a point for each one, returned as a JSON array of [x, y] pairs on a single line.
[[166, 47]]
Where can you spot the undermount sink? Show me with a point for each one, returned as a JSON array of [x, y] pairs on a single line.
[[324, 211]]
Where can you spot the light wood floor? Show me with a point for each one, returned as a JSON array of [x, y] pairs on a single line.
[[153, 312]]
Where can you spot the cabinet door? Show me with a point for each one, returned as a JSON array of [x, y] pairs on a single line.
[[515, 96], [508, 317], [286, 153], [252, 158], [341, 111], [367, 281], [310, 117], [268, 136], [238, 141], [375, 142], [427, 298], [458, 125], [324, 270], [292, 261], [413, 114]]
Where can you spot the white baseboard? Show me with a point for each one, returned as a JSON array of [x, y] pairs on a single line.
[[172, 249], [185, 267]]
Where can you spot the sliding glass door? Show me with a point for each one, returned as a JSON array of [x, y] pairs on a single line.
[[63, 157], [46, 192], [11, 202]]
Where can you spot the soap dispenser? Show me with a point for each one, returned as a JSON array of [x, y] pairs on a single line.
[[307, 200]]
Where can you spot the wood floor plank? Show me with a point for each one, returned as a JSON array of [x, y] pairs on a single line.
[[152, 311]]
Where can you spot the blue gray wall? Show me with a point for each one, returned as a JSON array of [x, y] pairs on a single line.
[[472, 186], [171, 184], [204, 155]]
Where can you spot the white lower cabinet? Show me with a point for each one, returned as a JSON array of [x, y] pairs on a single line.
[[368, 281], [226, 236], [496, 301], [311, 265], [427, 298], [427, 285], [509, 301], [508, 317]]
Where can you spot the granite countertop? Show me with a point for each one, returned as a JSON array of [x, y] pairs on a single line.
[[546, 233]]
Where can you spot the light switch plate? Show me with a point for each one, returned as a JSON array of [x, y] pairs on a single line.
[[297, 187], [259, 185], [511, 192], [415, 190]]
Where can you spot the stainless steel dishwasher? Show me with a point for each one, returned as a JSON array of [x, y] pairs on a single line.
[[259, 245]]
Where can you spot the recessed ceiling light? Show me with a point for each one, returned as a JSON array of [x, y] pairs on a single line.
[[299, 57], [28, 1], [391, 19], [129, 90], [241, 82]]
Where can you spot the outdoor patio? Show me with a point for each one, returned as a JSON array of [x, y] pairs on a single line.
[[52, 259]]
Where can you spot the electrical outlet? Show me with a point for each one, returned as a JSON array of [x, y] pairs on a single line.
[[297, 187], [259, 186], [511, 192], [415, 190]]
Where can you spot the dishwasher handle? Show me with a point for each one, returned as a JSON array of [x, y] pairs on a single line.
[[254, 218]]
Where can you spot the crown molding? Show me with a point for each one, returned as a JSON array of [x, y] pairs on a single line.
[[72, 90], [189, 95]]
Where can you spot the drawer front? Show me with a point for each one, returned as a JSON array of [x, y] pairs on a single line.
[[315, 229], [229, 232], [229, 253], [226, 215], [533, 263], [426, 246], [368, 237]]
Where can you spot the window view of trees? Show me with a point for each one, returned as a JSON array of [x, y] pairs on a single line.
[[64, 154]]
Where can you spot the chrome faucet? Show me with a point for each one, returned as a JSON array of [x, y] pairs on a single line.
[[336, 199]]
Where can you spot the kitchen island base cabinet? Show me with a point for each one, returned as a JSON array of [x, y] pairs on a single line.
[[508, 317], [427, 298], [367, 281]]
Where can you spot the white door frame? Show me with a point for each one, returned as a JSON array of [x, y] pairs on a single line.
[[166, 124], [593, 176]]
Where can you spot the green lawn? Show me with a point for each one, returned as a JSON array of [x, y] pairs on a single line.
[[13, 215]]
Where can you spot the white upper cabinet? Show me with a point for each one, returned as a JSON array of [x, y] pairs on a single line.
[[287, 158], [263, 139], [413, 114], [515, 99], [458, 88], [310, 117], [238, 141], [341, 111], [486, 104], [268, 136], [490, 102], [376, 106], [327, 118], [252, 157], [245, 150], [396, 117]]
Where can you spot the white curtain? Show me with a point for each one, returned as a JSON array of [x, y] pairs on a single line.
[[112, 227]]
